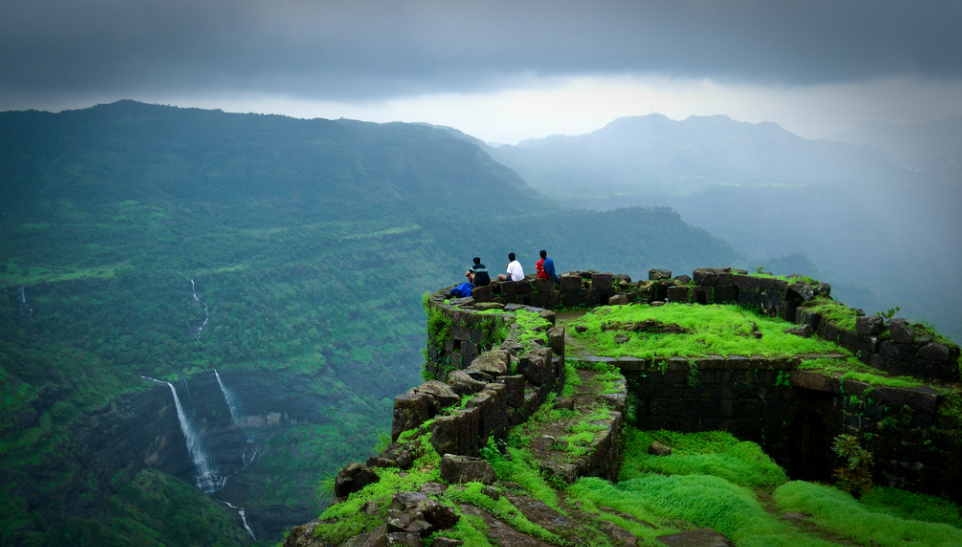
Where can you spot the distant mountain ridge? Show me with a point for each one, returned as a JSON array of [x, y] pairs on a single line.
[[658, 155], [934, 147]]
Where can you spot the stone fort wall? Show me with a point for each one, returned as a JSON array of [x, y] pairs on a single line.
[[794, 414]]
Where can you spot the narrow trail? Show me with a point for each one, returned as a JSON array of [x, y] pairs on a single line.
[[801, 521]]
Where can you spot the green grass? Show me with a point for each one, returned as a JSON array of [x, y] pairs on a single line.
[[699, 499], [856, 370], [708, 453], [883, 520], [712, 330], [833, 311]]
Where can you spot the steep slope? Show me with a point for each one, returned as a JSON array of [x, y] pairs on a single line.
[[141, 245]]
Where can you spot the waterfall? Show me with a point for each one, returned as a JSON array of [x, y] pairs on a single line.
[[231, 401], [200, 329], [23, 297], [207, 478], [23, 304], [243, 516]]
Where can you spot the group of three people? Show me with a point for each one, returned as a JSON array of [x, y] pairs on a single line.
[[478, 274]]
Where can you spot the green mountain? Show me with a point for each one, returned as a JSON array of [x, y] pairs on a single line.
[[194, 299]]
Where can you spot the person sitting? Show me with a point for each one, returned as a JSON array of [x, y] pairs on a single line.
[[545, 267], [478, 274], [514, 270]]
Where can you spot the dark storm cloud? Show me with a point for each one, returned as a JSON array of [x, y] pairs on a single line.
[[351, 49]]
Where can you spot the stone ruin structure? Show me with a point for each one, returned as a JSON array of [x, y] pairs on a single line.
[[793, 413]]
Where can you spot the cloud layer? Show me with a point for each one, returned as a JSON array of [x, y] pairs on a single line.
[[356, 50]]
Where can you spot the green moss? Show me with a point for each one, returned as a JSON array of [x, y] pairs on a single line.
[[854, 369], [711, 330]]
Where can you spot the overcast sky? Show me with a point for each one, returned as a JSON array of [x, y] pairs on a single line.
[[499, 70]]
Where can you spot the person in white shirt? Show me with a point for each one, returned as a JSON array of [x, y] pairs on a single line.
[[515, 273]]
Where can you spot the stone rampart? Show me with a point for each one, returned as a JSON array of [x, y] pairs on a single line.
[[793, 413]]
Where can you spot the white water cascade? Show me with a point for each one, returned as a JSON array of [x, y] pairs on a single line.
[[200, 329], [243, 516], [231, 401], [23, 303], [207, 478]]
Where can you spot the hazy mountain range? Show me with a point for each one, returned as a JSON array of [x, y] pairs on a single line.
[[874, 214]]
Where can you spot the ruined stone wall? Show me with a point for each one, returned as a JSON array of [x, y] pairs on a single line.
[[505, 384], [794, 414]]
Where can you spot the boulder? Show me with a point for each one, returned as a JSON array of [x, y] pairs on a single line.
[[683, 279], [353, 477], [618, 300], [463, 383], [658, 449], [442, 393], [462, 469], [871, 325], [901, 331], [494, 362], [655, 275]]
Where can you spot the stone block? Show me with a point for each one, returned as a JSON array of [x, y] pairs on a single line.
[[482, 294], [544, 286], [456, 433], [678, 293], [352, 478], [492, 416], [618, 300], [705, 276], [919, 399], [410, 411], [799, 292], [532, 399], [870, 325], [603, 283], [569, 283], [464, 384], [459, 470], [495, 362], [573, 298], [814, 381], [556, 341], [443, 395], [514, 386], [536, 367], [656, 275], [805, 316], [725, 294], [900, 331]]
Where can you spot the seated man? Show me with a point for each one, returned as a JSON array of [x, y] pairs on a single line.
[[515, 273], [478, 274], [545, 267]]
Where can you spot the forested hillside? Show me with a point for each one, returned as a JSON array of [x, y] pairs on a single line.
[[141, 245]]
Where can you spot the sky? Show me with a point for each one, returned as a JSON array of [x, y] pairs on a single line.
[[500, 70]]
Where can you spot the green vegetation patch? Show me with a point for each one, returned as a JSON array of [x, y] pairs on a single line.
[[710, 330], [833, 311], [700, 499], [854, 369], [708, 453], [880, 521]]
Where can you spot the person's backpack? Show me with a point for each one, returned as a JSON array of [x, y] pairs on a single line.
[[463, 290]]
